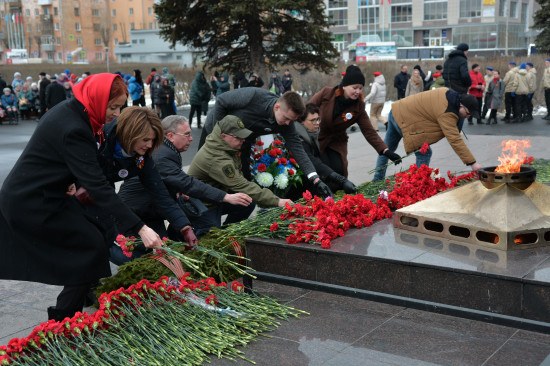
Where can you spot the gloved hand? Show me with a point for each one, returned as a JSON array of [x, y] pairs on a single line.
[[322, 189], [346, 185], [393, 157], [513, 94], [189, 237], [529, 95]]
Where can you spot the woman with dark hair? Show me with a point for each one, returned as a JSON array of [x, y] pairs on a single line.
[[139, 80], [46, 234], [165, 99], [341, 107]]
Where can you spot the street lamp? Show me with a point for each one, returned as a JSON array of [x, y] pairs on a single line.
[[107, 57]]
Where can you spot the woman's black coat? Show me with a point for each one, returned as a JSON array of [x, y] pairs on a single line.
[[45, 235]]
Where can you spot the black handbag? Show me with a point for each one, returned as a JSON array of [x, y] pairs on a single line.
[[192, 207]]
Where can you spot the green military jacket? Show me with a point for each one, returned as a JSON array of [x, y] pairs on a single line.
[[219, 165]]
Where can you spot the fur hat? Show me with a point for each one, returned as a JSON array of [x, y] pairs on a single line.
[[353, 76]]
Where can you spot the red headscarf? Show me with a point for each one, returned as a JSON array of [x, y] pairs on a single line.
[[94, 92]]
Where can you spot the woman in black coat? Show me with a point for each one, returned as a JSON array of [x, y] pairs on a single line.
[[165, 99], [47, 235]]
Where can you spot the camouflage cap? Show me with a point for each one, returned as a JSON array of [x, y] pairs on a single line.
[[233, 125]]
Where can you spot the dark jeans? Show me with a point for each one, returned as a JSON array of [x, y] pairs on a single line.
[[213, 217], [547, 99], [198, 109], [71, 298], [509, 103]]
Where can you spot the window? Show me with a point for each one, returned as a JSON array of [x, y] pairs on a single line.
[[46, 11], [338, 12], [38, 28], [114, 27], [76, 12], [131, 11], [115, 40], [502, 8], [150, 25], [369, 15], [142, 59], [132, 27], [79, 41], [513, 9], [401, 13], [29, 28], [99, 55], [113, 12], [525, 14], [36, 12], [435, 10], [28, 12], [141, 41], [77, 27], [59, 56], [134, 41], [179, 57], [470, 8], [55, 11], [95, 13], [58, 41], [56, 26], [98, 42], [150, 11], [97, 28]]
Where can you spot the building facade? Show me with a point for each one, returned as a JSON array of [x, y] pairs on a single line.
[[488, 26]]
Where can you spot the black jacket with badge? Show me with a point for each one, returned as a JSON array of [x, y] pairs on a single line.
[[45, 235], [117, 168]]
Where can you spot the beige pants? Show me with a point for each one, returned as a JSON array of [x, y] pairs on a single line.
[[376, 114]]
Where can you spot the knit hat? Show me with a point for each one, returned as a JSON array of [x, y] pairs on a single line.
[[513, 63], [436, 75], [42, 73], [439, 67], [490, 68], [523, 66], [470, 102], [463, 47], [377, 73], [353, 76], [530, 64], [233, 125]]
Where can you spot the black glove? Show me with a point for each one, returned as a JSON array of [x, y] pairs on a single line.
[[393, 157], [346, 185], [322, 189], [189, 237]]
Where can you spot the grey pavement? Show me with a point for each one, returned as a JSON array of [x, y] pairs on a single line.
[[341, 330]]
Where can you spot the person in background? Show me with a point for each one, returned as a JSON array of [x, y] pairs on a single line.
[[532, 88], [3, 83], [17, 80], [255, 81], [155, 90], [488, 77], [199, 91], [65, 247], [511, 84], [171, 79], [340, 107], [546, 85], [239, 80], [139, 80], [287, 81], [401, 81], [495, 93], [25, 102], [44, 82], [149, 82], [476, 89], [427, 118], [377, 98], [455, 69], [275, 84], [135, 90], [308, 131], [9, 103], [55, 93], [214, 83], [222, 85], [524, 80], [439, 82], [415, 84], [35, 106], [165, 98], [68, 90], [181, 187]]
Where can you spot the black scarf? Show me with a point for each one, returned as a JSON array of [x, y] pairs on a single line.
[[341, 103]]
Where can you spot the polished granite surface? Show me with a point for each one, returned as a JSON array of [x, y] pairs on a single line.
[[345, 331]]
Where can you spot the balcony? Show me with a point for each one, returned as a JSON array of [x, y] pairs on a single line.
[[44, 2], [48, 47]]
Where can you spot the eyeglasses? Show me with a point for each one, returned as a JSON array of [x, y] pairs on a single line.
[[187, 134], [315, 120]]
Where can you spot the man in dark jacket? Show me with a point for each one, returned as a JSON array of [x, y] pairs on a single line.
[[455, 70], [42, 85], [400, 81], [55, 94], [168, 162], [3, 83], [265, 113]]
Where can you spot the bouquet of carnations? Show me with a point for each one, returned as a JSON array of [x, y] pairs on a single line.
[[274, 168]]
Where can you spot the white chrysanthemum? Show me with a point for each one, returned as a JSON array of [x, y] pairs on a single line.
[[384, 195], [281, 181], [435, 176], [264, 179]]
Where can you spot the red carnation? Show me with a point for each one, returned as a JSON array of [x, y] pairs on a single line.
[[277, 142], [424, 148], [293, 162], [283, 161], [274, 227], [262, 167], [260, 143], [272, 153], [290, 172]]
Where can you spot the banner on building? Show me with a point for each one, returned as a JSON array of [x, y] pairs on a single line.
[[17, 56]]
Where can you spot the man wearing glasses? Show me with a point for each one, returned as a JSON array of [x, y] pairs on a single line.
[[181, 186], [308, 132], [427, 118], [218, 164], [265, 113]]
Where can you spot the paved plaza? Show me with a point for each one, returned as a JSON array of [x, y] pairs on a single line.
[[340, 330]]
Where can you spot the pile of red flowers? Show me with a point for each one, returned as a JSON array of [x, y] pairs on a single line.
[[321, 220], [110, 311]]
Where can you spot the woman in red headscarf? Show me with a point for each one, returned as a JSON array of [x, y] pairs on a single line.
[[47, 235]]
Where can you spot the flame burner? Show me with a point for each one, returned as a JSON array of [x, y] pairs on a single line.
[[505, 211], [520, 180]]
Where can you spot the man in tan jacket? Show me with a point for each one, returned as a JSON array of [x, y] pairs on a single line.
[[511, 85], [546, 84], [427, 118]]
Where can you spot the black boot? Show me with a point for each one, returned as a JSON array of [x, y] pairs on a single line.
[[494, 121], [58, 315]]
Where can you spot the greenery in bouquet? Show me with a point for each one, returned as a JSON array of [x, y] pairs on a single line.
[[274, 168]]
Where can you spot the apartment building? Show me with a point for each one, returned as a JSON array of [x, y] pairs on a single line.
[[71, 31], [490, 26]]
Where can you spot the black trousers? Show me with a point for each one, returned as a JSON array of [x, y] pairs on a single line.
[[522, 106], [333, 159], [509, 103], [198, 109], [71, 298], [530, 106]]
